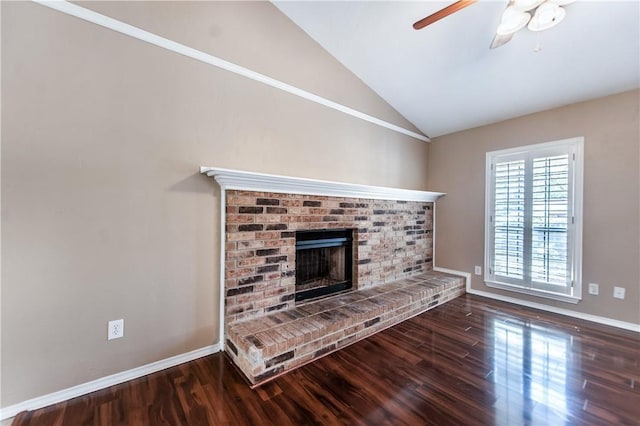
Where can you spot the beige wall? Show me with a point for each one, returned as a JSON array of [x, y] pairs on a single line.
[[611, 236], [104, 215]]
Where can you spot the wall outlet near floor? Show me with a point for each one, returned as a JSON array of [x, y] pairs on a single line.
[[618, 292], [115, 329], [478, 270], [594, 289]]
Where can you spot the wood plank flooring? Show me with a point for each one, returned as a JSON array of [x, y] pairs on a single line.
[[472, 361]]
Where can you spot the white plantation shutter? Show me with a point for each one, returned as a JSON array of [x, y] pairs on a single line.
[[533, 237], [550, 219], [509, 219]]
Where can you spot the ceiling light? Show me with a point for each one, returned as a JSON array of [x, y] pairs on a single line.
[[548, 15], [512, 20], [526, 5]]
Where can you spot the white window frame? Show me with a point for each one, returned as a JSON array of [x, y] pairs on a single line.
[[575, 147]]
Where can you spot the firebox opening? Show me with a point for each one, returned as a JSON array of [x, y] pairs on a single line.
[[323, 262]]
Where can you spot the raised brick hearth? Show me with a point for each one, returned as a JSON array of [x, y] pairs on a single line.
[[265, 347], [266, 331]]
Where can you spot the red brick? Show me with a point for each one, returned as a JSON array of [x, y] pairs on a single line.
[[237, 200], [241, 236], [251, 261], [267, 235], [240, 218]]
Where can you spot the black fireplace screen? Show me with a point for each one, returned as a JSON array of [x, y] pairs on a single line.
[[323, 262]]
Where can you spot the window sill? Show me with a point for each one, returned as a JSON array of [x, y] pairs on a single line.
[[538, 293]]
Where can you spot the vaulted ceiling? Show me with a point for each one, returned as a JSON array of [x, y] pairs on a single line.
[[444, 78]]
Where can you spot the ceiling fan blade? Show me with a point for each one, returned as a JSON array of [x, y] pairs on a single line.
[[443, 13], [500, 40]]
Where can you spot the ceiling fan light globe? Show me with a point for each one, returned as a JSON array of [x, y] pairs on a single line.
[[526, 5], [512, 21], [547, 16]]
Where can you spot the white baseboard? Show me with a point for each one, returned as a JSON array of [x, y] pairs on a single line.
[[593, 318], [104, 382]]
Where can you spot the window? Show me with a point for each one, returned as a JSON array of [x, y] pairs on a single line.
[[533, 229]]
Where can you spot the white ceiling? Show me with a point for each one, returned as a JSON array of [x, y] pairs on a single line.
[[444, 78]]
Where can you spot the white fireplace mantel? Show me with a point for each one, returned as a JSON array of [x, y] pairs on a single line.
[[261, 182]]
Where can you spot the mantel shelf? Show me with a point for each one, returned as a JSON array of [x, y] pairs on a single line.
[[261, 182]]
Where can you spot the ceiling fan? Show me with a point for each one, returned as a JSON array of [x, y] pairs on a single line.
[[536, 15]]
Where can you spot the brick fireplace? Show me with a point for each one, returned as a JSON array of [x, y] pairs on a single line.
[[391, 239], [265, 326]]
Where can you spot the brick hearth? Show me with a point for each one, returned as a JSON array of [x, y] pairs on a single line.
[[265, 347]]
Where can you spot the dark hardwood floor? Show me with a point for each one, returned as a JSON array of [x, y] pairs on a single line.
[[471, 361]]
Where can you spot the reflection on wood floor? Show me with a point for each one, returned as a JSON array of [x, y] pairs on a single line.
[[470, 361]]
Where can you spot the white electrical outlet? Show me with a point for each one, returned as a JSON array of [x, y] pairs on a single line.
[[618, 292], [478, 270], [594, 289], [115, 329]]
